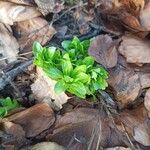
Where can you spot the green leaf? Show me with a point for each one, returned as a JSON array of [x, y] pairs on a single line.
[[54, 73], [102, 83], [60, 87], [88, 61], [66, 64], [78, 89], [96, 85], [72, 53], [82, 77], [65, 44], [79, 69], [86, 44], [68, 79], [36, 48], [102, 72], [94, 75], [51, 52], [6, 105]]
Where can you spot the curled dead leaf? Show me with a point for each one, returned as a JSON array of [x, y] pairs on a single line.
[[35, 29], [11, 12], [103, 49], [8, 45], [125, 84], [43, 90], [34, 120], [135, 50]]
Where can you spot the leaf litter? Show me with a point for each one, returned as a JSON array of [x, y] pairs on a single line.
[[79, 126]]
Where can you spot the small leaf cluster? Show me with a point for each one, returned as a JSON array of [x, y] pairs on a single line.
[[73, 69], [6, 105]]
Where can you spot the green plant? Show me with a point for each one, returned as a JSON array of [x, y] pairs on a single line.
[[73, 69], [6, 105]]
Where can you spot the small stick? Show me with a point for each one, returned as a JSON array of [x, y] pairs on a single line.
[[9, 76]]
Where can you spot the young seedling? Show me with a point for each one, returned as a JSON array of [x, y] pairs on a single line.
[[73, 69], [6, 105]]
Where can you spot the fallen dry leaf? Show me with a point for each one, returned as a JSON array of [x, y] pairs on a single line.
[[24, 2], [103, 49], [117, 148], [47, 146], [142, 133], [48, 6], [145, 80], [135, 50], [11, 12], [16, 131], [34, 120], [147, 101], [36, 29], [145, 17], [85, 125], [43, 90], [125, 84], [8, 45], [124, 12], [136, 124]]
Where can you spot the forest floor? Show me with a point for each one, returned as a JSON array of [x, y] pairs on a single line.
[[42, 120]]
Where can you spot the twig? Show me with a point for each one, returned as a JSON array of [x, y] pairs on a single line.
[[65, 12], [9, 76], [126, 133]]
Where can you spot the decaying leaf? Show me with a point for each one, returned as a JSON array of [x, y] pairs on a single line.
[[11, 12], [124, 12], [8, 45], [16, 131], [48, 6], [135, 50], [147, 101], [43, 90], [136, 123], [117, 148], [34, 120], [83, 127], [103, 49], [145, 80], [125, 83], [47, 146], [24, 2], [142, 133], [145, 17], [35, 29]]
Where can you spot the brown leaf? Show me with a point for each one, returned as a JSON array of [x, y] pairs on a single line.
[[145, 80], [142, 133], [125, 12], [86, 125], [125, 83], [48, 6], [34, 120], [43, 90], [135, 50], [132, 23], [103, 49], [8, 45], [11, 12], [47, 146], [16, 131], [36, 29], [24, 2], [145, 17], [137, 124], [117, 148], [147, 101]]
